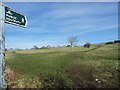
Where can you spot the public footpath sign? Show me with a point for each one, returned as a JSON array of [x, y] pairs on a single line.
[[9, 16], [16, 18]]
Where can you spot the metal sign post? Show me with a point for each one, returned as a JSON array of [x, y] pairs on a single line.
[[2, 48], [9, 16]]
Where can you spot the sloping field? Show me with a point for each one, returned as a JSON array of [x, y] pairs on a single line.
[[68, 67]]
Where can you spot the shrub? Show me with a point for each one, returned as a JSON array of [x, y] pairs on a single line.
[[35, 47], [109, 42], [68, 45], [87, 45], [117, 41]]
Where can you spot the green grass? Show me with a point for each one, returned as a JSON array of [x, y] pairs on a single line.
[[68, 67]]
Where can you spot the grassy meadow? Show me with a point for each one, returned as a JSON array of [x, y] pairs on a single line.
[[65, 67]]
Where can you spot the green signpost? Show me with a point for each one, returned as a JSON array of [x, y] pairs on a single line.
[[16, 18]]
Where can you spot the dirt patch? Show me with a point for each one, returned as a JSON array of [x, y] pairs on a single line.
[[10, 78], [15, 80]]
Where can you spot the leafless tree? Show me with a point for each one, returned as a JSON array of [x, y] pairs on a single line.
[[72, 40]]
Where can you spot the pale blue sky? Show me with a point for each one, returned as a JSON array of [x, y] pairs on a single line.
[[52, 23]]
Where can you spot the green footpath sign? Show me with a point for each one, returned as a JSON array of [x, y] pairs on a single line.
[[16, 18]]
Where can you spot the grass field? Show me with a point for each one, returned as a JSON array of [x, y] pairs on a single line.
[[68, 67]]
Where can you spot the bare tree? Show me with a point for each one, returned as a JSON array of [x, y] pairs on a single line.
[[73, 40]]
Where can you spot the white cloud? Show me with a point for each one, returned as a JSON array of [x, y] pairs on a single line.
[[100, 29], [75, 10]]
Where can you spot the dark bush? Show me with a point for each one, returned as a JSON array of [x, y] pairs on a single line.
[[109, 42], [117, 41], [68, 45], [35, 47], [87, 45]]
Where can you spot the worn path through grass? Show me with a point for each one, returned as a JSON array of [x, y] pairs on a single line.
[[67, 67]]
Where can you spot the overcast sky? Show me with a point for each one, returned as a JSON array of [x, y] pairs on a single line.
[[52, 23]]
